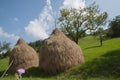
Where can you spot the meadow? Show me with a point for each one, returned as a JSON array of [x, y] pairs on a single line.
[[101, 63]]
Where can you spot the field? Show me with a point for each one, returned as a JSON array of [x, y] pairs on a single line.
[[101, 63]]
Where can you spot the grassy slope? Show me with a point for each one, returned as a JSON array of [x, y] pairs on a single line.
[[3, 65], [101, 63]]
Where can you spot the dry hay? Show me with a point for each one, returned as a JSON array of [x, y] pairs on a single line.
[[59, 53], [23, 56]]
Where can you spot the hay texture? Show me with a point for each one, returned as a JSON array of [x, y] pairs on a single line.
[[23, 56], [59, 53]]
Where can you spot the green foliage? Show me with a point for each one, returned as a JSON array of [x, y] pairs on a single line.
[[36, 45], [114, 30], [76, 22], [4, 49], [101, 33], [95, 18]]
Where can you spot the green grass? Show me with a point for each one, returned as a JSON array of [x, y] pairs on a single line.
[[3, 65], [101, 63]]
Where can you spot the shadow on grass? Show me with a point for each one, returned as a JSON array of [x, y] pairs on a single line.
[[3, 76], [108, 65], [1, 73], [36, 72], [92, 47]]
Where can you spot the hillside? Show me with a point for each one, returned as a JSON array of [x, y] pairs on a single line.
[[101, 63]]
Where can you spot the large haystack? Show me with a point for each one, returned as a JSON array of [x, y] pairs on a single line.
[[23, 56], [59, 53]]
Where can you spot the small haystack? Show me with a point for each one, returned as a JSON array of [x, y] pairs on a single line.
[[22, 56], [59, 53]]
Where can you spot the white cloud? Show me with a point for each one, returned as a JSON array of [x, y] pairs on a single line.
[[73, 4], [15, 19], [6, 35], [38, 28], [35, 29]]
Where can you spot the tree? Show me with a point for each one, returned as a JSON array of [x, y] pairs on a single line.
[[76, 22], [96, 21], [114, 27], [36, 45], [4, 49], [100, 33]]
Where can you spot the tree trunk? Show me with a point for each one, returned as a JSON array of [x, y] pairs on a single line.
[[76, 40], [101, 40]]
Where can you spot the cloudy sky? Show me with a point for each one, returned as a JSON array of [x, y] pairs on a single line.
[[34, 19]]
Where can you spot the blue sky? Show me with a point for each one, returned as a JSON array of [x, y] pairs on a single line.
[[34, 19]]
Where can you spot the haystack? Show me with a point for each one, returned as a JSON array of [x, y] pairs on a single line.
[[22, 56], [59, 53]]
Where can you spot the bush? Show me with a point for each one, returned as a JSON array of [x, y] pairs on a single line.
[[114, 27]]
